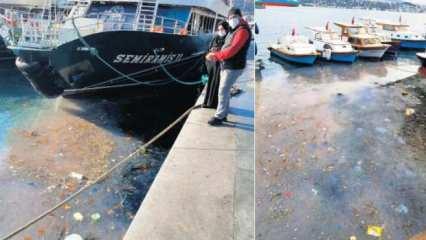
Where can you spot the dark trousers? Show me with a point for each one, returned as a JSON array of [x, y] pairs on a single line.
[[212, 90]]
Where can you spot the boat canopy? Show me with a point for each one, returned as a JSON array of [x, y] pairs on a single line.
[[348, 25], [392, 24], [320, 30]]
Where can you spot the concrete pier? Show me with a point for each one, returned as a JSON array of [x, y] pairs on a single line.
[[205, 188]]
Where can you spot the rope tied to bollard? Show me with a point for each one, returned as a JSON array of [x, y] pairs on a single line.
[[89, 184]]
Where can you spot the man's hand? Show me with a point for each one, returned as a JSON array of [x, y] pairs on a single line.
[[211, 57]]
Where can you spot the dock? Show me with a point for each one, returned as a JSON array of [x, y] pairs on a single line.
[[205, 187]]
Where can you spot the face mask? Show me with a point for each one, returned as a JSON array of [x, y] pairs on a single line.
[[233, 23], [221, 33]]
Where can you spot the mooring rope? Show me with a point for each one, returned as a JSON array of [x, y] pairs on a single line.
[[89, 184]]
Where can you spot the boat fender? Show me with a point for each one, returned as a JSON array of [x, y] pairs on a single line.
[[157, 29], [183, 31], [327, 52]]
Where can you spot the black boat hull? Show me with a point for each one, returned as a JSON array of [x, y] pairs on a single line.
[[5, 54], [117, 63]]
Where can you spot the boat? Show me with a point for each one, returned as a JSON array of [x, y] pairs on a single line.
[[295, 49], [280, 3], [369, 46], [147, 47], [331, 47], [374, 29], [422, 57], [24, 6], [401, 32]]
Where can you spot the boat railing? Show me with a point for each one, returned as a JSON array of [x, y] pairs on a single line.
[[38, 31]]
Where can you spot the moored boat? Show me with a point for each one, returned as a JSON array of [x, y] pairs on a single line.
[[150, 47], [402, 33], [280, 3], [422, 58], [295, 49], [331, 47], [374, 29], [369, 46]]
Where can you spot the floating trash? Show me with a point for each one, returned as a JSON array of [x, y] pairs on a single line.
[[73, 237], [315, 191], [409, 111], [96, 217], [402, 209], [77, 176], [287, 194], [78, 216], [375, 231], [352, 238]]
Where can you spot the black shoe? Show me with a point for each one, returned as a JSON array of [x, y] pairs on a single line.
[[216, 121]]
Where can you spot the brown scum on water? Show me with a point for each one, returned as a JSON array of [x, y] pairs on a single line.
[[59, 145]]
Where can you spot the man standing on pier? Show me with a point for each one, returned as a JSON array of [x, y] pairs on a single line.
[[232, 56]]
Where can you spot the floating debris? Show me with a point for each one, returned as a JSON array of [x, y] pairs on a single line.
[[96, 217], [409, 111], [420, 236], [402, 209], [77, 176], [78, 216], [352, 238], [315, 191], [287, 194], [73, 236], [375, 231], [67, 206]]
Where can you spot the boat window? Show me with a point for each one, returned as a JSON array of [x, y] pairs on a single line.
[[388, 28], [367, 41], [318, 36], [201, 23]]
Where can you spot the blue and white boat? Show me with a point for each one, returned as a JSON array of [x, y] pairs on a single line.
[[295, 49], [331, 46], [402, 33]]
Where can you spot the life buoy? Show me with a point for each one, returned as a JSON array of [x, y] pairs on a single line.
[[183, 31], [158, 29]]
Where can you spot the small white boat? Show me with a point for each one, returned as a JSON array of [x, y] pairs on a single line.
[[374, 29], [368, 45], [402, 33], [331, 47], [295, 49]]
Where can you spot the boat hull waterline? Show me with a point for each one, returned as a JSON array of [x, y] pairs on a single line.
[[349, 57], [372, 53], [72, 68]]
